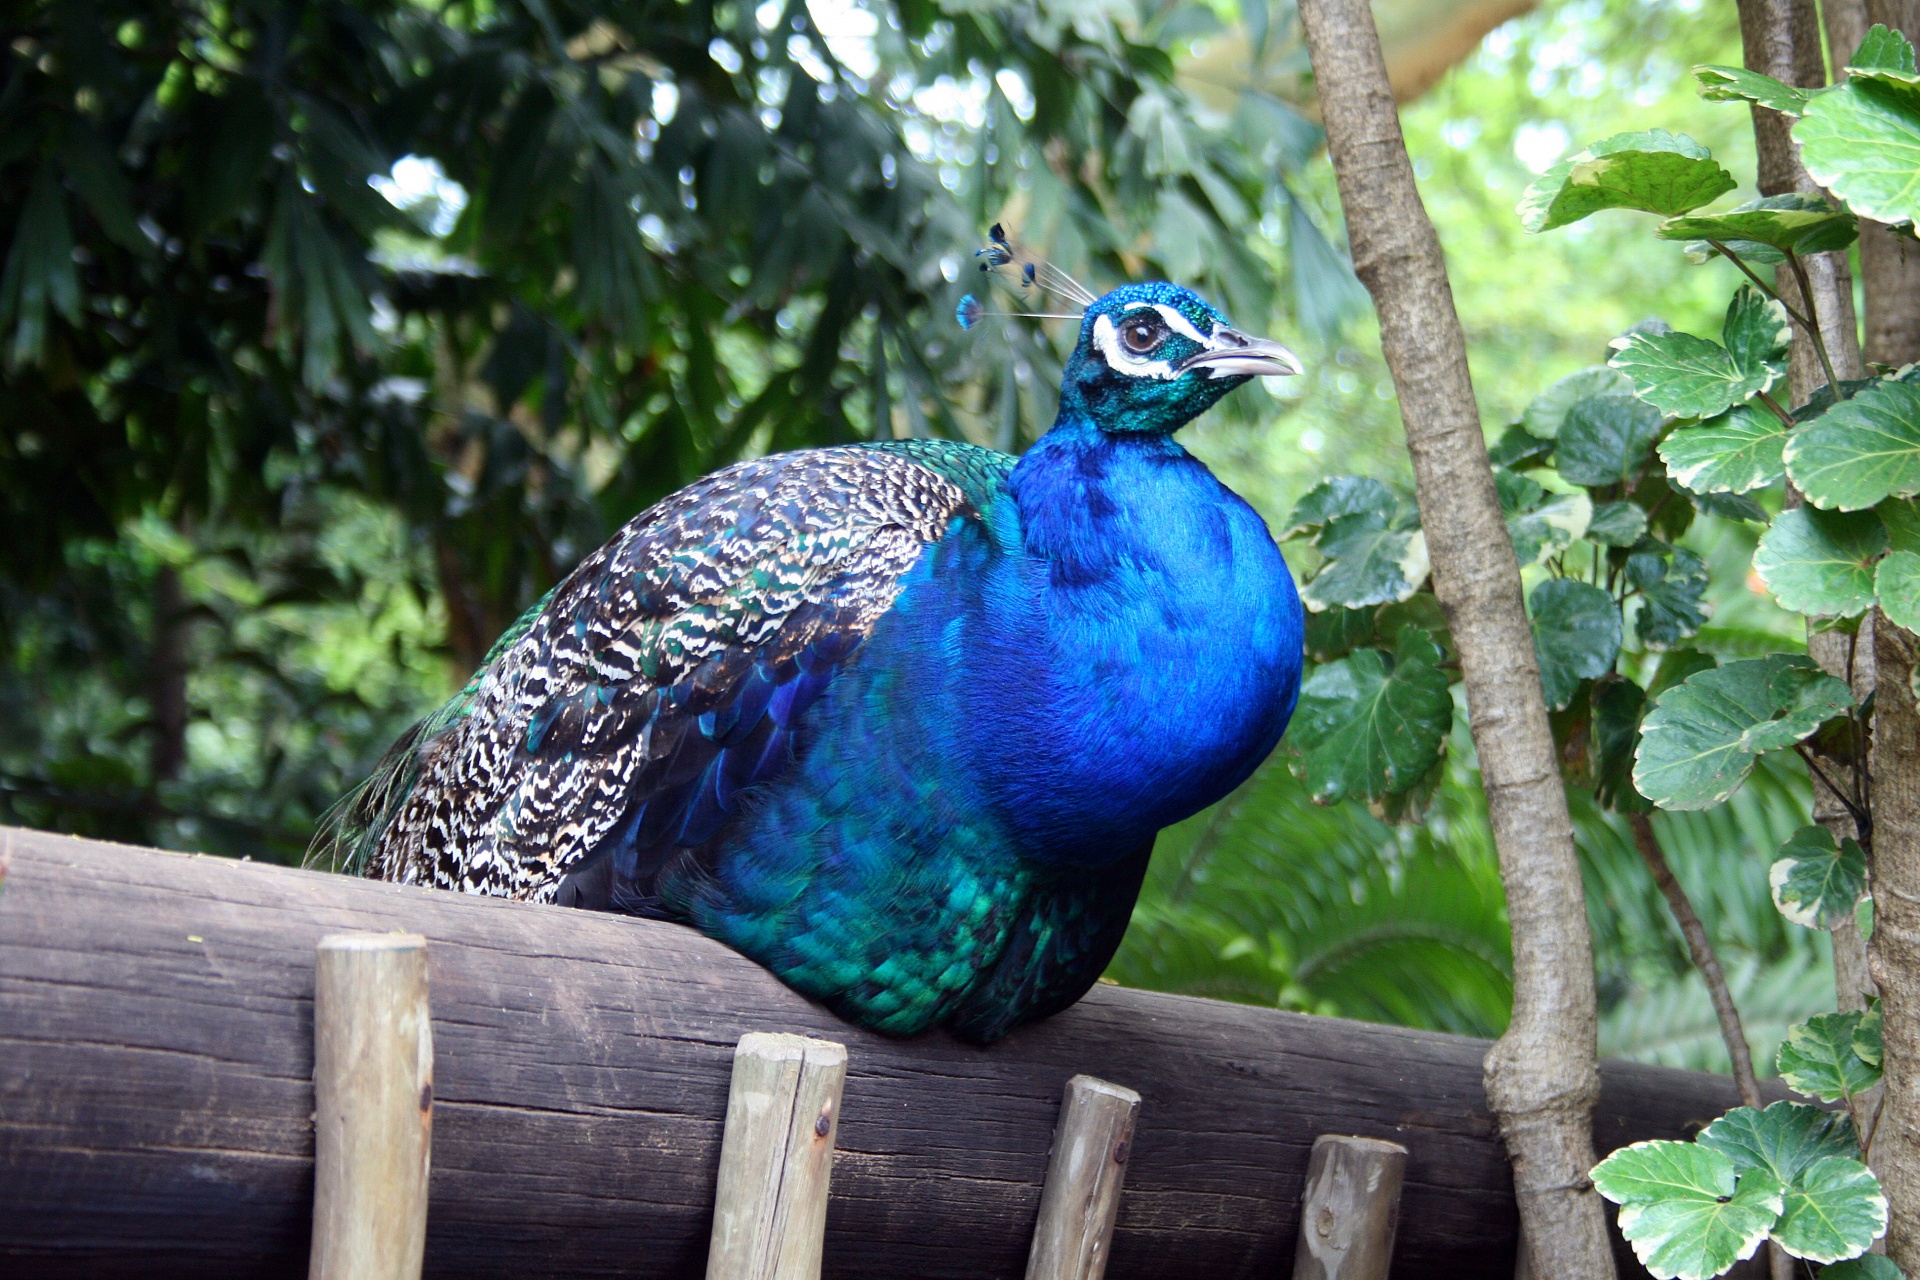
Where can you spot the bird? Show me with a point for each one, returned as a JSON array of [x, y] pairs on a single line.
[[899, 720]]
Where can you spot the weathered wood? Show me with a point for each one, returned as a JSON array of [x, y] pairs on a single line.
[[156, 1060], [770, 1206], [1351, 1209], [373, 1106], [1073, 1237]]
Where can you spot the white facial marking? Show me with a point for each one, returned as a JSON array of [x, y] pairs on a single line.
[[1106, 340]]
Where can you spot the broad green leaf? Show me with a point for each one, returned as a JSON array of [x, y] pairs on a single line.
[[1576, 633], [1785, 1139], [1869, 1037], [1334, 633], [1868, 1266], [1683, 1211], [1672, 607], [1548, 410], [1884, 53], [1654, 171], [1832, 1211], [1733, 453], [1676, 667], [1367, 563], [1818, 1058], [1686, 376], [1366, 728], [1648, 1172], [1756, 331], [1860, 451], [1617, 704], [1517, 447], [1518, 495], [1902, 520], [1861, 141], [1728, 506], [1737, 84], [1820, 563], [1340, 496], [1550, 528], [1897, 581], [1800, 223], [1604, 439], [1699, 742], [1617, 524], [1816, 882]]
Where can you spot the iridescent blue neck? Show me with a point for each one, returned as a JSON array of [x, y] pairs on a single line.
[[1079, 488]]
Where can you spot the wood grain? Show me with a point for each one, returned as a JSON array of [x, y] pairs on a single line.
[[1351, 1209], [776, 1158], [373, 1106], [1088, 1166], [156, 1060]]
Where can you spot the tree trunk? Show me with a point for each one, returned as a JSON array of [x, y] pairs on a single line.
[[1890, 263], [1896, 934], [1541, 1077], [167, 679]]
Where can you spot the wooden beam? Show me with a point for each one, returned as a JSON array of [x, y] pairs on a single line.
[[770, 1205], [156, 1095], [373, 1106], [1084, 1174], [1351, 1209]]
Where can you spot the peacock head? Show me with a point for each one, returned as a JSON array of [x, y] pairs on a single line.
[[1153, 357]]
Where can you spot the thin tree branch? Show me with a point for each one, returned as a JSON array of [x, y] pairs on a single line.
[[1704, 957]]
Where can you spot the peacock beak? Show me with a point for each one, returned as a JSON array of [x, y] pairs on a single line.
[[1234, 354]]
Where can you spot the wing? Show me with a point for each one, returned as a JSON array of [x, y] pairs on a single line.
[[663, 677], [1071, 930]]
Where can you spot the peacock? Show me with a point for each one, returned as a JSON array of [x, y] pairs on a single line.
[[898, 720]]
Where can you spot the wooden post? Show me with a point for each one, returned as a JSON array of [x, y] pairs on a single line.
[[1082, 1194], [373, 1106], [783, 1111], [1350, 1209]]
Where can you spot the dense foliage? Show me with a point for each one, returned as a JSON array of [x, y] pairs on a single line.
[[334, 334]]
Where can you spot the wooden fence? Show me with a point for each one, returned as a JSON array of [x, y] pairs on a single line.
[[157, 1100]]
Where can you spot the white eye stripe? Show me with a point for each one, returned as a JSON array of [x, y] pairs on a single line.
[[1106, 340], [1176, 320]]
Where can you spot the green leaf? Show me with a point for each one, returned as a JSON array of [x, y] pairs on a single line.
[[1818, 1058], [1737, 84], [1549, 528], [1868, 1266], [1802, 224], [39, 274], [1902, 519], [1672, 607], [1734, 453], [1832, 1211], [1654, 171], [1366, 729], [1700, 740], [1786, 1139], [1897, 581], [1367, 563], [1820, 563], [1617, 704], [1861, 141], [1617, 524], [1756, 332], [1604, 439], [1334, 633], [1815, 882], [1576, 633], [1884, 52], [1869, 1037], [1862, 450], [1728, 506], [1339, 496], [1676, 667], [1517, 448], [1686, 376], [1548, 410], [1683, 1211]]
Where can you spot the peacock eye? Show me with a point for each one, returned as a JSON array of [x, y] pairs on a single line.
[[1143, 334]]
